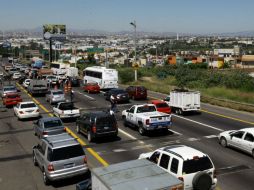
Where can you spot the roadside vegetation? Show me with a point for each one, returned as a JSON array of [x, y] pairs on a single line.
[[233, 85]]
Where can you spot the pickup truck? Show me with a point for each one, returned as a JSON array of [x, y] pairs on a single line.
[[66, 110], [146, 118]]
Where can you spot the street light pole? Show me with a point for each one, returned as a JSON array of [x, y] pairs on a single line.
[[135, 50]]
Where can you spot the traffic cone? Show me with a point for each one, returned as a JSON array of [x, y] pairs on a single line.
[[65, 89]]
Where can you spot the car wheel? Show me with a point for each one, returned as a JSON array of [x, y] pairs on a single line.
[[77, 128], [253, 153], [89, 136], [180, 111], [223, 142], [34, 160], [141, 130], [45, 178], [202, 181]]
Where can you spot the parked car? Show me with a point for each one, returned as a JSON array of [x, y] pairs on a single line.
[[59, 157], [55, 96], [25, 110], [92, 87], [97, 124], [11, 99], [137, 92], [119, 94], [8, 89], [242, 139], [16, 76], [161, 106], [192, 166], [48, 126], [26, 83]]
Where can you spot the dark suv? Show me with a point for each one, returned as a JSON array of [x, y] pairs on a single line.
[[97, 124], [137, 92], [119, 94]]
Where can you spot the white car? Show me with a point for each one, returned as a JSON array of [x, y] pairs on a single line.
[[25, 110], [193, 167], [242, 139], [16, 76], [26, 83]]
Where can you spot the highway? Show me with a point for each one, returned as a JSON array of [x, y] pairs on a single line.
[[235, 169]]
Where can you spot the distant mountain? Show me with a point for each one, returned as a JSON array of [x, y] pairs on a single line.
[[238, 34]]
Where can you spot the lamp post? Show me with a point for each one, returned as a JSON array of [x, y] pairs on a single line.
[[135, 50]]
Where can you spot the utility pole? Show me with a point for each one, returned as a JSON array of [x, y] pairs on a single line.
[[135, 50], [50, 50]]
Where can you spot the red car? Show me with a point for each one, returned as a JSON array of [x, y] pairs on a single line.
[[92, 87], [161, 106], [137, 92], [11, 99]]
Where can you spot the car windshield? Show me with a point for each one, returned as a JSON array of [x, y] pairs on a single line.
[[162, 105], [105, 121], [39, 85], [196, 165], [144, 109], [29, 105], [66, 106], [64, 153], [51, 77], [53, 123], [58, 93], [118, 92], [10, 89]]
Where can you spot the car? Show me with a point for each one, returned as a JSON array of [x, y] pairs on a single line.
[[16, 76], [242, 139], [60, 157], [161, 106], [22, 79], [24, 110], [55, 96], [26, 83], [12, 70], [97, 124], [51, 79], [91, 87], [137, 92], [23, 68], [119, 94], [8, 89], [46, 126], [190, 165], [11, 99], [75, 82]]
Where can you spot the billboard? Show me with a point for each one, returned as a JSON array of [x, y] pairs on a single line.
[[54, 31]]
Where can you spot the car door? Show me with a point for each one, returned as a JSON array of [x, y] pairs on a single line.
[[247, 143], [130, 115], [16, 108], [236, 139], [40, 153], [82, 122], [164, 161]]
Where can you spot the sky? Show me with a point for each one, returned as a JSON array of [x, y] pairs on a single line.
[[181, 16]]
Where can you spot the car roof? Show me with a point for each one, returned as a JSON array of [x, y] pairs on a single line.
[[61, 140], [99, 114], [28, 102], [45, 119], [184, 152], [250, 130]]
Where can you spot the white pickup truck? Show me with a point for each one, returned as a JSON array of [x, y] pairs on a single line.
[[146, 118], [66, 110]]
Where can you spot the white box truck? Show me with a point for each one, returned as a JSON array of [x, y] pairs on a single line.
[[72, 72], [182, 101], [131, 175]]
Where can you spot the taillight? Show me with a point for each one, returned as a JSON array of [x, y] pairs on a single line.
[[177, 187], [181, 178], [44, 133], [21, 112], [85, 160], [65, 129], [94, 128], [50, 168], [38, 111], [147, 122]]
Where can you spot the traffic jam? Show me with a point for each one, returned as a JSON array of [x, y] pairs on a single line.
[[59, 155]]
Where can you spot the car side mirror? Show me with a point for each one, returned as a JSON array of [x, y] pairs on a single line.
[[36, 146]]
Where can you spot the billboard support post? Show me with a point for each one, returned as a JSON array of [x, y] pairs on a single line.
[[50, 50]]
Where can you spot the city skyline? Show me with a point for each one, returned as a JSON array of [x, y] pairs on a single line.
[[182, 16]]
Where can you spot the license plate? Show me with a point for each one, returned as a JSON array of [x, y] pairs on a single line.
[[159, 127], [159, 118], [106, 127], [68, 165]]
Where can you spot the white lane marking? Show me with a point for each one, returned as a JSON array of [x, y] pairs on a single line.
[[79, 92], [142, 146], [175, 132], [210, 136], [127, 134], [102, 92], [88, 97], [209, 126], [193, 139], [119, 150]]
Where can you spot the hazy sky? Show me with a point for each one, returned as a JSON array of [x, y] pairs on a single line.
[[183, 16]]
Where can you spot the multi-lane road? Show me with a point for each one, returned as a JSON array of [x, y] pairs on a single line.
[[235, 169]]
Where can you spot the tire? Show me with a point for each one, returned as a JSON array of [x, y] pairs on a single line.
[[202, 181], [77, 128], [223, 142], [180, 111], [252, 153], [46, 180], [34, 160], [141, 130], [89, 136], [177, 111]]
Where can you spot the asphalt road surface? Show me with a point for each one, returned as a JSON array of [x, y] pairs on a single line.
[[235, 169]]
